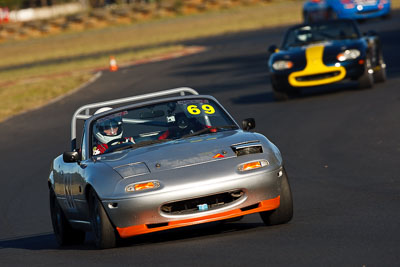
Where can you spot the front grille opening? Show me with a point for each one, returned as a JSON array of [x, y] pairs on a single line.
[[315, 77], [200, 204], [254, 206], [247, 150]]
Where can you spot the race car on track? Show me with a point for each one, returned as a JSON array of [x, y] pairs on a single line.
[[314, 10], [160, 161], [325, 52]]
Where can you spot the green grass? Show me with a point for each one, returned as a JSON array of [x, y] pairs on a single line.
[[29, 88]]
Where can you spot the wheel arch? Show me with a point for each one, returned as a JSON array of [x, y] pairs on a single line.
[[88, 189]]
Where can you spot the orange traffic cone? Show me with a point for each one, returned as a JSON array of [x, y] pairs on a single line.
[[113, 64]]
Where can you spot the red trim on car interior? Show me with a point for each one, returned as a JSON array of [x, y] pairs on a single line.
[[264, 205]]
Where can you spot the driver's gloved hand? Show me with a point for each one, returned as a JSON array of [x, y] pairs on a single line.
[[99, 149]]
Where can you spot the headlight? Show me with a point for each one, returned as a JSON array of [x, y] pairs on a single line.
[[142, 186], [253, 165], [348, 54], [282, 64]]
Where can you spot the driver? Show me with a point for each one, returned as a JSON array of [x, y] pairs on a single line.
[[304, 35], [106, 130]]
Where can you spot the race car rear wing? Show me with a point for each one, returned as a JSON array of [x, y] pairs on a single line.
[[86, 108]]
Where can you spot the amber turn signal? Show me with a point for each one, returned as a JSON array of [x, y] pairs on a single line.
[[141, 186], [253, 165]]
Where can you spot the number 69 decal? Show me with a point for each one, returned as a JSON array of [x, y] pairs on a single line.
[[195, 110]]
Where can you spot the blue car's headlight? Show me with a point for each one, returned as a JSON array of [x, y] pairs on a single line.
[[348, 54], [282, 65]]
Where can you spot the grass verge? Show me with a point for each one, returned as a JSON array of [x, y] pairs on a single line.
[[28, 88]]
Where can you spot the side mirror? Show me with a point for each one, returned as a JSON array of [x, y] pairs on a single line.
[[273, 49], [248, 124], [71, 157]]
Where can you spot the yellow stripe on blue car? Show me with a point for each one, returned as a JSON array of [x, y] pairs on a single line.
[[316, 72]]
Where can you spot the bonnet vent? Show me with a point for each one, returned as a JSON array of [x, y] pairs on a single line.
[[253, 147]]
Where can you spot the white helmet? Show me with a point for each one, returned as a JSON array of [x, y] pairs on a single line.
[[113, 121]]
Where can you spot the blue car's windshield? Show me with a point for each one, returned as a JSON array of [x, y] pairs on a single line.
[[158, 123], [320, 32]]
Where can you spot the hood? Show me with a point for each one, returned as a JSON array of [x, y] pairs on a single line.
[[330, 51], [292, 53], [180, 153]]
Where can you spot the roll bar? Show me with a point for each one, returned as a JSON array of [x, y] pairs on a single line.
[[86, 108]]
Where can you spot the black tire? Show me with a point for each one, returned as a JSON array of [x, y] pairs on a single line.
[[65, 234], [104, 233], [280, 96], [284, 213], [387, 16], [380, 74], [366, 80]]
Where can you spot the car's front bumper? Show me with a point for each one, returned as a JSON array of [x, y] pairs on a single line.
[[144, 214], [261, 206], [286, 80], [364, 12]]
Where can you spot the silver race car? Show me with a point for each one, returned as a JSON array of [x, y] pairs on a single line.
[[149, 163]]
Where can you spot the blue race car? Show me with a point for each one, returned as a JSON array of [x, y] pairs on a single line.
[[314, 10]]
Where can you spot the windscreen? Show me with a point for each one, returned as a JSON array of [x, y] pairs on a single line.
[[159, 122], [313, 33]]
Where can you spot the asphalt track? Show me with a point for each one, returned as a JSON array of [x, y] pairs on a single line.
[[341, 148]]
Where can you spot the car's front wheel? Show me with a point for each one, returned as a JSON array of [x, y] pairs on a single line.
[[278, 93], [280, 96], [65, 234], [366, 80], [104, 233], [380, 74], [284, 212], [380, 70]]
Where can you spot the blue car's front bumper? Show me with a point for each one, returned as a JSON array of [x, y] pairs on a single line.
[[363, 11]]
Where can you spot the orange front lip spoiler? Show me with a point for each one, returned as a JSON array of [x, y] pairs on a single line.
[[265, 205]]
